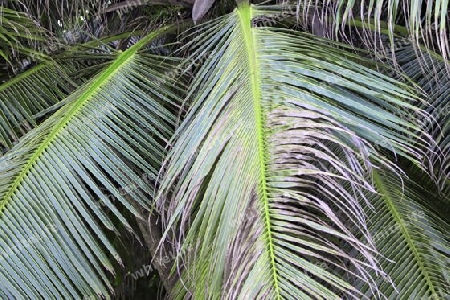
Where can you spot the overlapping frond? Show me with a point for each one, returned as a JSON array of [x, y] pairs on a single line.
[[33, 95], [426, 22], [69, 179], [255, 194], [29, 94], [18, 34], [430, 71], [53, 13], [412, 236]]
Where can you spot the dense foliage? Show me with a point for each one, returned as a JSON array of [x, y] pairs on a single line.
[[222, 149]]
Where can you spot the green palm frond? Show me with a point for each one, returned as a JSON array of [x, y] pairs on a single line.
[[430, 71], [33, 95], [19, 34], [255, 194], [412, 236], [28, 95], [426, 22], [56, 183]]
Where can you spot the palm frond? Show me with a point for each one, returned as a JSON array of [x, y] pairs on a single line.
[[64, 182], [255, 194], [29, 94], [430, 71], [19, 34], [53, 14], [426, 22], [411, 236], [28, 98]]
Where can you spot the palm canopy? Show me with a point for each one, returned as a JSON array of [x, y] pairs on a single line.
[[297, 170]]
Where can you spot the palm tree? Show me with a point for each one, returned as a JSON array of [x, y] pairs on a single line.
[[275, 150]]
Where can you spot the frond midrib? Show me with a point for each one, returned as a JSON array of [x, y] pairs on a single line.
[[104, 77], [245, 16], [387, 197], [23, 75]]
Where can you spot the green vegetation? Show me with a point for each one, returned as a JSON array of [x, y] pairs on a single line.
[[268, 150]]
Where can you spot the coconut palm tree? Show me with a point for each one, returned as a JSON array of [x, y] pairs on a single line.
[[279, 149]]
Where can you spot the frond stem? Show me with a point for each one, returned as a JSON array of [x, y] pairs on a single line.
[[387, 197], [244, 12]]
